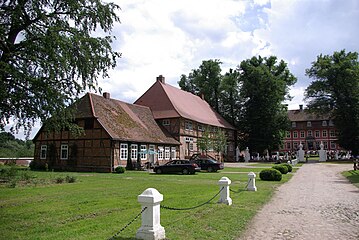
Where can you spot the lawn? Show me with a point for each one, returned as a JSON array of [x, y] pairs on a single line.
[[353, 177], [98, 205]]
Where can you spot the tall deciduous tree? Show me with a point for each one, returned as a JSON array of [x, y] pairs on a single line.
[[205, 80], [335, 90], [263, 118], [48, 56]]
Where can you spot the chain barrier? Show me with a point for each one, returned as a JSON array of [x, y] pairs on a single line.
[[239, 191], [128, 224], [189, 208]]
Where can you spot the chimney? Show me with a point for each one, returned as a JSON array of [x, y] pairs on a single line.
[[161, 79], [106, 95], [301, 107]]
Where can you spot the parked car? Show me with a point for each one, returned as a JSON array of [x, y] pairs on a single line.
[[207, 163], [177, 166]]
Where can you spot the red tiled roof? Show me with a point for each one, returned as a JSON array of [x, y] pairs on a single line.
[[124, 121], [167, 101]]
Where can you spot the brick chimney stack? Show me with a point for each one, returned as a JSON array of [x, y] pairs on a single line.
[[106, 95], [161, 79]]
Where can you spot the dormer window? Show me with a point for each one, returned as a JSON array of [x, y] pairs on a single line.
[[331, 123], [188, 125], [324, 123], [165, 122], [294, 124], [309, 124], [200, 127]]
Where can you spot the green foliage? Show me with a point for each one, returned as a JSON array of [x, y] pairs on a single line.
[[204, 143], [270, 175], [282, 168], [34, 166], [205, 80], [220, 141], [49, 56], [119, 169], [290, 168], [70, 179], [335, 92], [10, 147], [264, 86]]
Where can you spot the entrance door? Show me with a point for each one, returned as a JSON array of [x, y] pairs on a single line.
[[151, 154]]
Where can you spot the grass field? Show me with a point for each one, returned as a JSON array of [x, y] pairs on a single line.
[[98, 205], [353, 177]]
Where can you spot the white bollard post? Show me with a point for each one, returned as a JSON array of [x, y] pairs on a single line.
[[151, 228], [251, 182], [224, 183]]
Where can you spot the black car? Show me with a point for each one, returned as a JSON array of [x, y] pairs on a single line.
[[207, 163], [177, 166]]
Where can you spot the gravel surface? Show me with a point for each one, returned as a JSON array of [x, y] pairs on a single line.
[[317, 203]]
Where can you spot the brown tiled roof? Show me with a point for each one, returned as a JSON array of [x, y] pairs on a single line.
[[167, 101], [124, 121], [304, 116]]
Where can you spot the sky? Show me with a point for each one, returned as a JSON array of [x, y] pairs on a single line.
[[170, 38]]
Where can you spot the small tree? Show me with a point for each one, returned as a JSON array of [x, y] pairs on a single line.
[[204, 143], [220, 142]]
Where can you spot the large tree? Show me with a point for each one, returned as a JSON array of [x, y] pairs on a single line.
[[263, 118], [204, 80], [49, 56], [335, 90]]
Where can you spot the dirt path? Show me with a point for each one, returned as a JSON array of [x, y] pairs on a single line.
[[317, 203]]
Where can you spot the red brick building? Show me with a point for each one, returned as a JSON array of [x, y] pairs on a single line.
[[115, 132], [310, 130], [186, 116]]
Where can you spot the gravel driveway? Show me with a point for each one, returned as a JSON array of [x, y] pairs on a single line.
[[317, 203]]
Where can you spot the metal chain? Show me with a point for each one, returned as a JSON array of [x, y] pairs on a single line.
[[241, 190], [189, 208], [128, 224]]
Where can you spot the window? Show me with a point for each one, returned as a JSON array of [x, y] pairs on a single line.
[[89, 123], [189, 139], [295, 134], [143, 153], [173, 153], [123, 151], [188, 125], [165, 122], [317, 145], [64, 151], [160, 153], [317, 133], [230, 147], [288, 145], [167, 153], [333, 145], [288, 134], [302, 134], [332, 133], [325, 143], [191, 146], [324, 123], [309, 133], [331, 123], [200, 128], [43, 152], [295, 145], [133, 152], [294, 124], [324, 133], [309, 124]]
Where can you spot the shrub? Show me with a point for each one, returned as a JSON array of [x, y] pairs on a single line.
[[59, 180], [37, 165], [70, 179], [119, 169], [270, 174], [290, 168], [283, 169]]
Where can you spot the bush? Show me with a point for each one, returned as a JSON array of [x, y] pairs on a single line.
[[37, 166], [70, 179], [281, 168], [119, 169], [270, 174], [290, 168], [59, 180]]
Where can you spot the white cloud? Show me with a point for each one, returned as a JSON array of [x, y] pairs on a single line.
[[172, 37]]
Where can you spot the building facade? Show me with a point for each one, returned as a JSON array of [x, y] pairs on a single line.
[[114, 132], [186, 117], [310, 130]]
